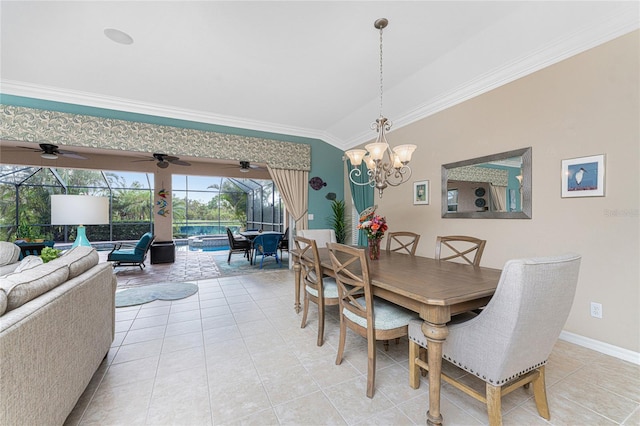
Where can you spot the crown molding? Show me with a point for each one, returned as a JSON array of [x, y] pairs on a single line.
[[18, 88]]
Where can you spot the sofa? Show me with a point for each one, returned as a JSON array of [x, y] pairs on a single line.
[[9, 255], [57, 322]]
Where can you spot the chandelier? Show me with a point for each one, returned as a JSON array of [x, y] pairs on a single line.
[[384, 166]]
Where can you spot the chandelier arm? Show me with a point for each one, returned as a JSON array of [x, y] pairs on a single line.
[[403, 173], [357, 173]]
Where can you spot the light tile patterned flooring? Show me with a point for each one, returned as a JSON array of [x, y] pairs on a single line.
[[234, 353]]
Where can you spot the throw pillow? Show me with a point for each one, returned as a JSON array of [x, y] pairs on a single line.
[[9, 253], [28, 263]]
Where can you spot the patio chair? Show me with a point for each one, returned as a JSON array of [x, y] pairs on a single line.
[[238, 245], [124, 254], [266, 245], [284, 242]]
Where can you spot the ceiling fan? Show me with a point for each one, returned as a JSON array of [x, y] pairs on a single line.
[[246, 166], [51, 152], [163, 160]]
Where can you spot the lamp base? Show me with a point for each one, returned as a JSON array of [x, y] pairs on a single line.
[[81, 237]]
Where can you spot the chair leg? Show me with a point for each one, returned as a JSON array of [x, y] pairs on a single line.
[[343, 336], [320, 322], [414, 371], [540, 395], [371, 367], [305, 310], [229, 258], [494, 405]]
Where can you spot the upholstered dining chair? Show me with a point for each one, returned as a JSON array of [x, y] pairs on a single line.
[[124, 254], [403, 241], [266, 245], [508, 344], [460, 248], [238, 245], [371, 318], [323, 291], [322, 236]]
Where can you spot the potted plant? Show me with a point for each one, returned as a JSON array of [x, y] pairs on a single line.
[[24, 232], [338, 220]]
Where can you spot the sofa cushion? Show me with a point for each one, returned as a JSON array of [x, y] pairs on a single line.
[[79, 259], [24, 286], [28, 262], [9, 253], [3, 302]]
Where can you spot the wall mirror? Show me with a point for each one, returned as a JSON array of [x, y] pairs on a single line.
[[492, 187]]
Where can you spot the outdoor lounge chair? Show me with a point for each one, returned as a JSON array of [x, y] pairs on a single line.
[[128, 255]]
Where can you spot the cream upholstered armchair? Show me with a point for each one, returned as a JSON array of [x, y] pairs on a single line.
[[322, 236], [508, 344]]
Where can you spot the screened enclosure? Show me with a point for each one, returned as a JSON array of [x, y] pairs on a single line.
[[200, 205]]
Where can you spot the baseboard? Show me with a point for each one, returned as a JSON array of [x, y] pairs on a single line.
[[605, 348]]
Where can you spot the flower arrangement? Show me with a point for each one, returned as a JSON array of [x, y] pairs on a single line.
[[374, 226]]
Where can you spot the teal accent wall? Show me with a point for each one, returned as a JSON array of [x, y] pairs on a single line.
[[327, 164], [326, 160]]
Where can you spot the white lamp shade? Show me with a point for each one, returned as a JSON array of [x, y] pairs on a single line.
[[404, 152], [376, 150], [356, 156], [79, 210]]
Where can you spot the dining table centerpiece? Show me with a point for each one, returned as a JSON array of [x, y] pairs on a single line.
[[374, 227]]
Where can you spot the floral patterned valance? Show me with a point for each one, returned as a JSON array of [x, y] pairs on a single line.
[[496, 177], [34, 125]]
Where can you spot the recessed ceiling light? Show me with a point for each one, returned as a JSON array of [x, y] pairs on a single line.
[[118, 36]]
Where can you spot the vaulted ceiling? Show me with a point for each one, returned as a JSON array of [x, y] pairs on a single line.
[[303, 68]]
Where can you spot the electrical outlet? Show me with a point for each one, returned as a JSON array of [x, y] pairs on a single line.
[[596, 310]]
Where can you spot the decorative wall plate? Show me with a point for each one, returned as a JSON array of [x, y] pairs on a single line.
[[480, 202], [317, 183], [480, 192]]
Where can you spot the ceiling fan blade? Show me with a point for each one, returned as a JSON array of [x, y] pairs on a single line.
[[179, 162], [73, 155]]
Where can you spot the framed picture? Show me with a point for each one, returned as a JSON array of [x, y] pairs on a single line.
[[583, 177], [421, 192]]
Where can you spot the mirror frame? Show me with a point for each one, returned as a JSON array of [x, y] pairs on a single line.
[[525, 212]]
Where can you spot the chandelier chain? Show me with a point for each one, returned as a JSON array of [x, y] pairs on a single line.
[[381, 80]]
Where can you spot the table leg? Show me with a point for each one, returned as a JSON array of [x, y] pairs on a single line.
[[436, 335], [297, 269]]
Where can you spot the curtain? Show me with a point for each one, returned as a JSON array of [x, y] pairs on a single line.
[[362, 196], [499, 198], [294, 190]]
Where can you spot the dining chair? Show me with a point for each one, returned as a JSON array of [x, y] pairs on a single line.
[[323, 291], [322, 236], [266, 245], [508, 344], [403, 241], [238, 245], [370, 317], [460, 248]]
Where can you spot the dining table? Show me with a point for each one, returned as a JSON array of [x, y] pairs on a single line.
[[435, 290]]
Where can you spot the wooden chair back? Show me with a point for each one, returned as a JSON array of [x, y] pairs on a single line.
[[352, 276], [310, 270], [460, 247], [403, 241]]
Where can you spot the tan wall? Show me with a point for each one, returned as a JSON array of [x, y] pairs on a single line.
[[586, 105]]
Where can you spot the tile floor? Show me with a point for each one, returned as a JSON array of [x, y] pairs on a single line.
[[234, 353]]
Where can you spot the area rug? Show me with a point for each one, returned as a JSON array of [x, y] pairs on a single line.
[[240, 265], [148, 293]]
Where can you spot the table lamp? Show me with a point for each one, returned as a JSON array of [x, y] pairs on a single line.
[[79, 210]]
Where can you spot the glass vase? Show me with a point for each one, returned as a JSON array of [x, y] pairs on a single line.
[[374, 248]]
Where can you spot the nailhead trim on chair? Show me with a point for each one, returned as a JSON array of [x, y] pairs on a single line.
[[497, 382]]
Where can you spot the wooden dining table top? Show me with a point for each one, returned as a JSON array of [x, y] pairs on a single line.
[[425, 281]]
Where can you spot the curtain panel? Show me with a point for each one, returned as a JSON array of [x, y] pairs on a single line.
[[294, 191]]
